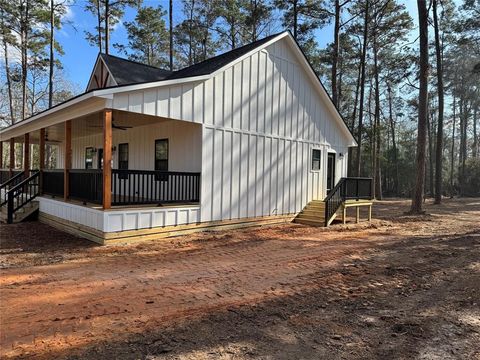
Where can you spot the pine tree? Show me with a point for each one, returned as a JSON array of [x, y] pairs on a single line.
[[148, 39], [108, 13], [193, 36], [258, 20], [417, 199], [23, 20], [302, 18]]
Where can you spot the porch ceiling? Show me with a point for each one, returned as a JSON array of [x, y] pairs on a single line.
[[91, 124]]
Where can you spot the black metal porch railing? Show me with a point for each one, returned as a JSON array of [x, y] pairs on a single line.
[[86, 185], [131, 187], [52, 182], [347, 189], [357, 188]]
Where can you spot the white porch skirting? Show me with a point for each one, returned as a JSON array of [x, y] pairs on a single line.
[[122, 219]]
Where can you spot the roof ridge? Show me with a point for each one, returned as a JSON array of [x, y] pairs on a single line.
[[236, 49], [133, 62], [252, 45]]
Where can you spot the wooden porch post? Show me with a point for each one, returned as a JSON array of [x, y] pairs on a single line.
[[107, 159], [68, 158], [41, 158], [1, 154], [12, 156], [42, 149], [26, 154]]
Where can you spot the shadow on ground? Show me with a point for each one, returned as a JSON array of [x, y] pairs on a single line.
[[411, 298]]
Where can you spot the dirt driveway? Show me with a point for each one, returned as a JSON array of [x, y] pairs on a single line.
[[400, 287]]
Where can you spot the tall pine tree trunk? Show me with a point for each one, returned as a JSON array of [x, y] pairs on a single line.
[[362, 90], [99, 25], [51, 60], [417, 199], [463, 150], [336, 45], [170, 31], [377, 139], [460, 152], [295, 19], [396, 179], [107, 27], [430, 155], [475, 138], [24, 10], [452, 154], [351, 161], [439, 149], [8, 75]]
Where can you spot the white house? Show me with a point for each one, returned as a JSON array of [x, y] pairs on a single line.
[[246, 137]]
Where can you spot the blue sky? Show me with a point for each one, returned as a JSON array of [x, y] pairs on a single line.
[[79, 56]]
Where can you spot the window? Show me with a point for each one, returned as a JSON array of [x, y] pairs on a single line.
[[123, 160], [316, 159], [123, 156], [99, 158], [89, 153], [161, 159]]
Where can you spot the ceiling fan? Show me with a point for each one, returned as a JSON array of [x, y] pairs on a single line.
[[114, 126], [50, 141]]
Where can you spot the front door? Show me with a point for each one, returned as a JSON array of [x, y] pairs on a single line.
[[330, 172]]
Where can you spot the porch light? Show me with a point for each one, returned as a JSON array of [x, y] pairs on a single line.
[[340, 155]]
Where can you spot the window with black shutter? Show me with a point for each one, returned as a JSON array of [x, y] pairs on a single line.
[[161, 158], [123, 156], [123, 160]]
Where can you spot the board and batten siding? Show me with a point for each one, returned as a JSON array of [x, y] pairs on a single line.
[[184, 140], [268, 93], [261, 117]]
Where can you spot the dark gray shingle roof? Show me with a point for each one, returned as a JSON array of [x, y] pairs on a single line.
[[126, 72], [217, 62]]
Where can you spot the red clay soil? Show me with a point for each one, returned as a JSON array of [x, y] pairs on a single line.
[[400, 287]]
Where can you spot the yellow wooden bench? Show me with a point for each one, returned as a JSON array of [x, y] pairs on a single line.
[[356, 203]]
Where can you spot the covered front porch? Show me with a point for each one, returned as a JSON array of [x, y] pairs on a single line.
[[106, 159]]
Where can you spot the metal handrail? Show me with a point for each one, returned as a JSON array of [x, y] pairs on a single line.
[[338, 195], [334, 200], [18, 191], [12, 179]]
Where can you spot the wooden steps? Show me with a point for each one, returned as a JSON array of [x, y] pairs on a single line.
[[21, 214], [313, 214]]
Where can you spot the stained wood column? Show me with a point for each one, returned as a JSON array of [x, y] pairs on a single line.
[[1, 154], [107, 159], [26, 154], [68, 159], [12, 156], [41, 166], [41, 145]]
